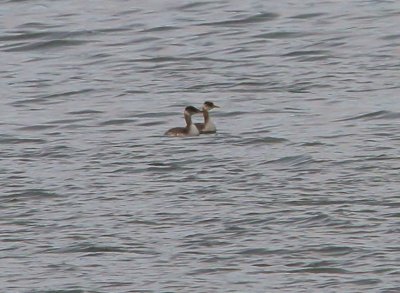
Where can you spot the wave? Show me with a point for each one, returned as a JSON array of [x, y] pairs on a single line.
[[383, 114], [261, 17]]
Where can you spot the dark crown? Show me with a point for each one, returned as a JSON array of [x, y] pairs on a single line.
[[192, 109]]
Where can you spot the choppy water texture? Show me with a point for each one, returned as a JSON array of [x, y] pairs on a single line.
[[297, 192]]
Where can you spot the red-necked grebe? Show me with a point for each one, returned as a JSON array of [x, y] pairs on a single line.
[[190, 129], [208, 126]]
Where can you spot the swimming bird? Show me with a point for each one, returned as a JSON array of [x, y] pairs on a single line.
[[208, 126], [190, 129]]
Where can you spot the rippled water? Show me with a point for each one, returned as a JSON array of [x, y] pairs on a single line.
[[297, 192]]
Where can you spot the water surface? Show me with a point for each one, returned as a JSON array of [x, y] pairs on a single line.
[[297, 192]]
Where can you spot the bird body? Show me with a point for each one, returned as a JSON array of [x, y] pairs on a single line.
[[190, 129], [208, 126]]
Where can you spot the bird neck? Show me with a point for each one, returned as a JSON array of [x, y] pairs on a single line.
[[206, 116], [188, 119]]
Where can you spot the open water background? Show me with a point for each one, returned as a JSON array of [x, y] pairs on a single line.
[[297, 192]]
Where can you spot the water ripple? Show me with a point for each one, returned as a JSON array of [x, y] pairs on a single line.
[[260, 17], [296, 192]]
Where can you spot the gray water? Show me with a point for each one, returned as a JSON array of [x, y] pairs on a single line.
[[297, 192]]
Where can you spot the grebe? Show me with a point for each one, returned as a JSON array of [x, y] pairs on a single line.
[[190, 129], [208, 126]]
